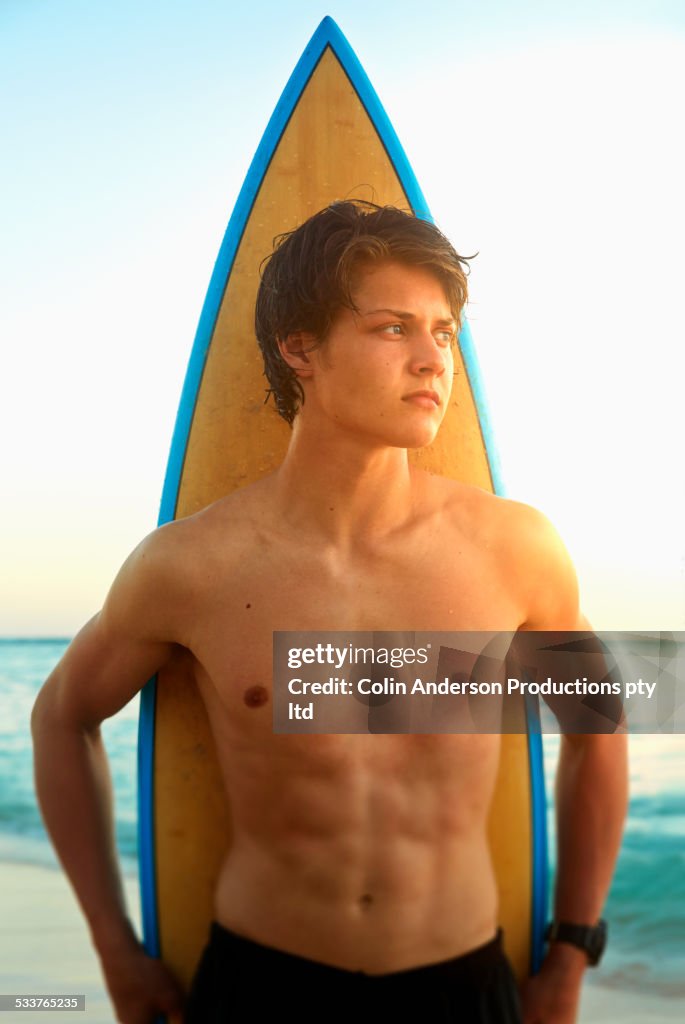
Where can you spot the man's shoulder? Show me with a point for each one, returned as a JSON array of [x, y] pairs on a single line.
[[489, 516], [519, 533], [534, 554], [223, 527], [523, 546], [177, 568], [220, 531]]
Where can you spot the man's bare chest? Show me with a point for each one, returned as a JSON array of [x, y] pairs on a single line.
[[233, 631]]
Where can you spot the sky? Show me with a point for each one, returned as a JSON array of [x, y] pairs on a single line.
[[545, 138]]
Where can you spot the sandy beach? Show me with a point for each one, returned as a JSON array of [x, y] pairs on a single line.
[[45, 949], [44, 943]]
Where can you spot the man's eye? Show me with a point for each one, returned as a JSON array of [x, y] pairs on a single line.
[[395, 329], [446, 337]]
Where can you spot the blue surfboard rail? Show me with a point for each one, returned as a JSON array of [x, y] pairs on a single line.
[[539, 867], [146, 822], [327, 35]]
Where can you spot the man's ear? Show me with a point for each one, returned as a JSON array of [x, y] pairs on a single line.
[[295, 349]]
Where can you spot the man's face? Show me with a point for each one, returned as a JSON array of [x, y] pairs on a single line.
[[385, 373]]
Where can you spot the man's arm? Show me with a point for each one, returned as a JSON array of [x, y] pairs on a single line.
[[591, 800], [591, 783], [104, 667]]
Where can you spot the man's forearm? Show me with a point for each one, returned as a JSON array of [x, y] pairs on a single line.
[[591, 801], [74, 789], [592, 794]]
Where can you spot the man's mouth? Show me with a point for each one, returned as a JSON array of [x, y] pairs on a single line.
[[426, 398]]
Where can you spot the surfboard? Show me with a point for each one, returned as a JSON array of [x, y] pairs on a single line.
[[328, 138]]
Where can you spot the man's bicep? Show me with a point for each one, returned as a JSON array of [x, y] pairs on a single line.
[[119, 649], [101, 673]]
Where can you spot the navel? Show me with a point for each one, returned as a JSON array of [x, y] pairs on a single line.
[[256, 696], [365, 900]]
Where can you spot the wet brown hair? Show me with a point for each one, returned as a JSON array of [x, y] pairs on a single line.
[[310, 276]]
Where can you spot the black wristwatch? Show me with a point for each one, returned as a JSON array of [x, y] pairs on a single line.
[[592, 939]]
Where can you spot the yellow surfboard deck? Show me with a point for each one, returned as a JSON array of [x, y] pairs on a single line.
[[327, 141]]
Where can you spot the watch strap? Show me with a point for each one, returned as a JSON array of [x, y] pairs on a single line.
[[590, 938]]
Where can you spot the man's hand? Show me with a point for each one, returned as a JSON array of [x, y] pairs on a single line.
[[552, 995], [140, 986]]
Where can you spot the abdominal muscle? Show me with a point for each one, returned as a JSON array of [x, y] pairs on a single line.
[[364, 852]]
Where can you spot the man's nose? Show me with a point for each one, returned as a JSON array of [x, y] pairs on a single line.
[[428, 356]]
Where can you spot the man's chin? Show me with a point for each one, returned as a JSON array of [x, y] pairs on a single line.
[[418, 439]]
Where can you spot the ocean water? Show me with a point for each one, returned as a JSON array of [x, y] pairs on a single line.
[[646, 905], [24, 666]]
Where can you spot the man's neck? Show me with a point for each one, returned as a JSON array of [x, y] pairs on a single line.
[[343, 489]]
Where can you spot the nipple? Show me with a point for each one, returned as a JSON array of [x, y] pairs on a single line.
[[255, 696]]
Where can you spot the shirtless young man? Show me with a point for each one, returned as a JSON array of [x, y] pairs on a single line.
[[360, 862]]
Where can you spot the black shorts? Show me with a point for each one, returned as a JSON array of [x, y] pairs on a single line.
[[239, 980]]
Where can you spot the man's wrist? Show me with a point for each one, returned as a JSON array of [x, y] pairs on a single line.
[[113, 937], [566, 959]]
